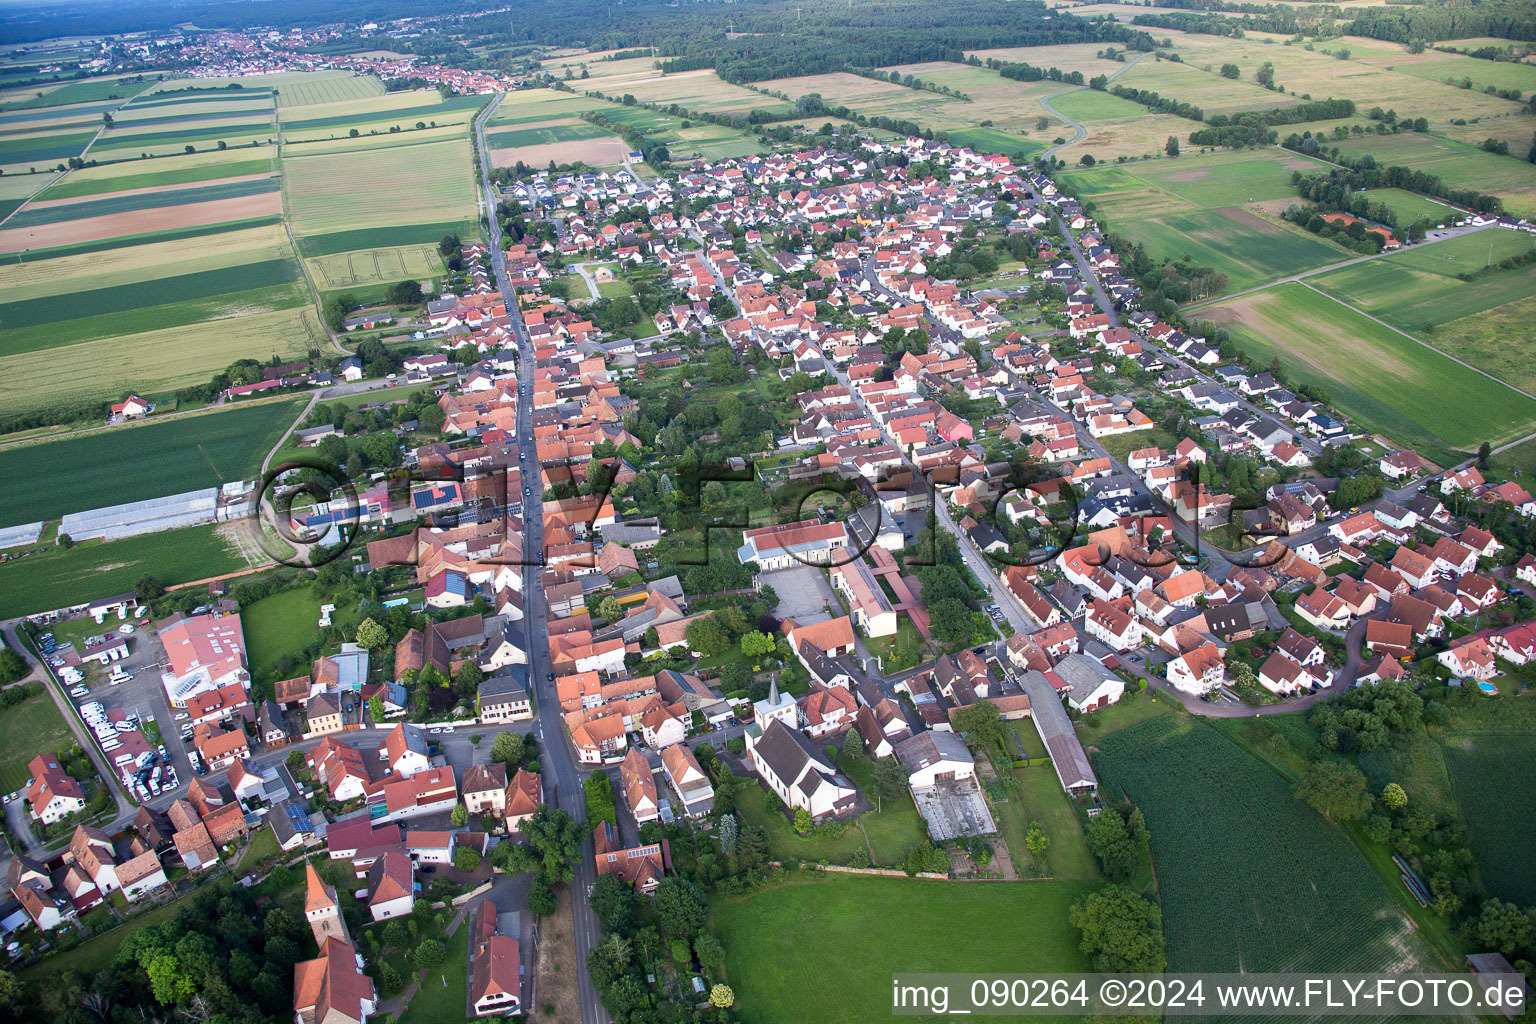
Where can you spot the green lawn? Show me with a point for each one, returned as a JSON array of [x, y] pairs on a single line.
[[98, 952], [759, 807], [1093, 105], [896, 827], [30, 728], [1038, 798], [279, 626], [57, 578], [1386, 381], [832, 942], [441, 997], [263, 845], [132, 463], [1410, 206]]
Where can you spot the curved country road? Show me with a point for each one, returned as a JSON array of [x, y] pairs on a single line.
[[1045, 101]]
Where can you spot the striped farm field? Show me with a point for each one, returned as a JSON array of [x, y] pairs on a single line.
[[119, 144], [16, 189], [564, 130], [291, 88], [205, 295], [44, 211], [375, 266], [42, 149], [426, 184], [151, 362], [90, 90], [387, 237], [49, 228], [369, 117], [171, 98], [1387, 382], [529, 105], [169, 173], [57, 252], [1215, 812]]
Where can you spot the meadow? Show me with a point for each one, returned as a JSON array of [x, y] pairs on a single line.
[[1217, 815], [1204, 88], [529, 105], [1498, 816], [897, 925], [406, 185], [1410, 206], [132, 463], [694, 90], [27, 729], [1456, 163], [88, 91], [1388, 382], [281, 625], [152, 362], [1418, 290], [1485, 340], [59, 577]]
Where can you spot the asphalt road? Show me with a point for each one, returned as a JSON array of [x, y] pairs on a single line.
[[556, 753]]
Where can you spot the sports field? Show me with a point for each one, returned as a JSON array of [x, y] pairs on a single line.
[[1250, 878], [57, 578], [131, 463], [897, 925], [152, 362], [424, 184], [1418, 290], [1388, 382], [1498, 816]]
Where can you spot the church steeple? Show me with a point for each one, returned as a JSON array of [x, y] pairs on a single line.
[[321, 909]]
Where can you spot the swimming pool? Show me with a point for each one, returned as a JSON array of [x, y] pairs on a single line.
[[1488, 688]]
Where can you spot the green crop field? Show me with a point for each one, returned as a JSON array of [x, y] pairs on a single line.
[[56, 577], [233, 131], [896, 925], [1251, 879], [425, 184], [30, 728], [169, 98], [37, 215], [84, 92], [1388, 382], [280, 626], [538, 135], [1248, 249], [454, 109], [1417, 291], [63, 319], [291, 88], [990, 140], [131, 463], [43, 149], [75, 187], [1456, 163], [1494, 775], [1199, 182], [152, 362], [405, 235]]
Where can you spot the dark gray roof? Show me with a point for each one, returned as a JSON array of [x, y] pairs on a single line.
[[1055, 729]]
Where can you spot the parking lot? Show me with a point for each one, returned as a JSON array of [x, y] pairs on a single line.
[[141, 697], [804, 593]]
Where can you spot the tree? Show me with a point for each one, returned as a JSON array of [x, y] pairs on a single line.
[[853, 745], [389, 978], [1394, 796], [1484, 450], [372, 635], [449, 246], [1231, 71], [1171, 147], [148, 587], [556, 837], [12, 666], [169, 980], [804, 823], [708, 949], [1042, 123], [707, 637], [459, 816], [1111, 843], [982, 722], [428, 954], [466, 858], [1036, 841], [722, 996], [757, 645], [396, 934], [404, 293], [376, 708], [613, 902], [295, 760], [1336, 791], [890, 778], [610, 609], [680, 906], [508, 748], [1122, 931]]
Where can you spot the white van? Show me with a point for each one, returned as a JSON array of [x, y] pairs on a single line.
[[111, 745]]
